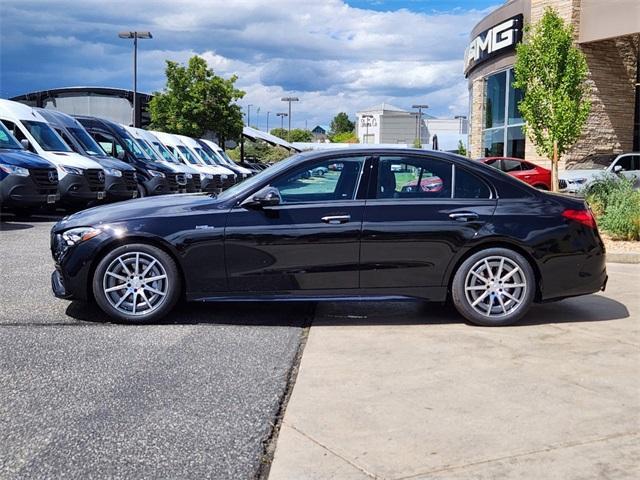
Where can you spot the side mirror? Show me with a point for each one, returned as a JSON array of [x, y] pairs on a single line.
[[617, 169], [267, 197], [121, 155], [25, 143]]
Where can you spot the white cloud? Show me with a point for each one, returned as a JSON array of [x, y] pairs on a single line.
[[333, 56]]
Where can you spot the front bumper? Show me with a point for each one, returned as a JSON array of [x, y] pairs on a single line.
[[81, 188], [19, 191], [157, 186], [121, 188]]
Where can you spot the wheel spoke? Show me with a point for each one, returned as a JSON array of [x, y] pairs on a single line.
[[148, 267], [153, 279], [119, 277], [515, 270], [488, 267], [490, 305], [500, 267], [135, 300], [137, 263], [513, 285], [122, 299], [124, 267], [144, 297], [153, 290], [477, 287], [504, 309], [480, 298], [511, 297], [477, 275], [117, 287]]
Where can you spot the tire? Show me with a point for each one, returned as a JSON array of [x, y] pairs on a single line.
[[144, 301], [542, 187], [142, 192], [500, 304]]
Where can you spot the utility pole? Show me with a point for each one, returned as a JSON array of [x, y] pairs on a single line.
[[268, 112], [135, 36], [258, 118], [289, 99], [282, 115], [249, 114], [419, 125]]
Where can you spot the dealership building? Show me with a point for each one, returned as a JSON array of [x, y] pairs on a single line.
[[608, 32]]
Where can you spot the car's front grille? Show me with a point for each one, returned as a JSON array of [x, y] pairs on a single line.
[[562, 183], [172, 181], [129, 181], [46, 180], [228, 182], [95, 179], [194, 184]]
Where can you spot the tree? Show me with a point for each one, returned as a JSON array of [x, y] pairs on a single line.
[[345, 137], [462, 150], [551, 72], [195, 101], [341, 124], [297, 134]]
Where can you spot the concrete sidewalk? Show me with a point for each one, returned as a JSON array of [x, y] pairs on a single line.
[[402, 390]]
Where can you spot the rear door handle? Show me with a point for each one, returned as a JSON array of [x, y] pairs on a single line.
[[463, 216], [336, 219]]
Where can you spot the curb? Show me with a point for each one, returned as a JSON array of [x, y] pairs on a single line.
[[631, 257]]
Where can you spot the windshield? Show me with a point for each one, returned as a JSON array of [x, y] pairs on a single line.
[[592, 162], [45, 136], [7, 140], [188, 155], [135, 148], [248, 184], [166, 154], [224, 155], [148, 149], [89, 145], [204, 156]]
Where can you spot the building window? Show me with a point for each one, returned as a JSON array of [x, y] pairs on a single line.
[[502, 134]]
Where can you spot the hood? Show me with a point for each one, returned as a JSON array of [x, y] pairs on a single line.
[[71, 159], [22, 158], [178, 167], [110, 162], [573, 174], [145, 208]]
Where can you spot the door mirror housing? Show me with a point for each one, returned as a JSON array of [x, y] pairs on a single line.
[[617, 169], [267, 197], [25, 143], [121, 155]]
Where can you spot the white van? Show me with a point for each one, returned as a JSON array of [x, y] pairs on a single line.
[[224, 159], [81, 180], [192, 176], [177, 147], [195, 147]]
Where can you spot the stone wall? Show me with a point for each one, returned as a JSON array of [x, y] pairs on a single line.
[[477, 118]]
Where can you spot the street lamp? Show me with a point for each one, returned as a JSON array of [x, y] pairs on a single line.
[[367, 117], [419, 125], [135, 35], [268, 112], [249, 114], [290, 99], [282, 115]]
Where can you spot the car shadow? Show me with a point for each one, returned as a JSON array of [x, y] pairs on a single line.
[[8, 227], [591, 308]]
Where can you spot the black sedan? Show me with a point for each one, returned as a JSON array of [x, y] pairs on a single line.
[[380, 224]]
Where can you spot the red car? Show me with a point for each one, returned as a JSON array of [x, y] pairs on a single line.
[[530, 173]]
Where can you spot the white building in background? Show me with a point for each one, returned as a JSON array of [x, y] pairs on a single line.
[[388, 124]]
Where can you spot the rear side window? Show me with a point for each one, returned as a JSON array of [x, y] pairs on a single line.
[[469, 186], [511, 166], [413, 177]]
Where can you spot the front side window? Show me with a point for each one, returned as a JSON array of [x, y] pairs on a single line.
[[413, 177], [109, 144], [7, 140], [326, 180], [45, 136], [89, 144]]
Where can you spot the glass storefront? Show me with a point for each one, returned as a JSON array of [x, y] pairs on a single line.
[[502, 134]]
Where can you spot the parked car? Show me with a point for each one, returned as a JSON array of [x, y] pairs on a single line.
[[214, 150], [188, 157], [27, 181], [154, 178], [534, 175], [578, 175], [492, 243], [194, 146], [121, 182], [429, 184], [80, 181], [143, 137]]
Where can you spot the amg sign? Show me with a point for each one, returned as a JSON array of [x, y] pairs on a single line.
[[493, 41]]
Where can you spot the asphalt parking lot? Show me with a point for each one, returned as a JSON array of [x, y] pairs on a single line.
[[83, 398]]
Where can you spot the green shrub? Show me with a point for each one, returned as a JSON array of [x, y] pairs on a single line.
[[617, 206]]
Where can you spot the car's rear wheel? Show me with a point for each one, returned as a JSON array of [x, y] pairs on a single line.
[[494, 287], [136, 283]]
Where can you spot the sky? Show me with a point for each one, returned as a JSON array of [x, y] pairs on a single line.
[[334, 55]]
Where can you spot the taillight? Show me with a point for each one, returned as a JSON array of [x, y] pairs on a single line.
[[584, 217]]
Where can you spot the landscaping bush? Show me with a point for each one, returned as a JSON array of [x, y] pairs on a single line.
[[617, 207]]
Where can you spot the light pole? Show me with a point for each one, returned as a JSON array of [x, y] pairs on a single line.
[[268, 112], [289, 99], [258, 118], [367, 118], [135, 35], [282, 115], [419, 125], [249, 114]]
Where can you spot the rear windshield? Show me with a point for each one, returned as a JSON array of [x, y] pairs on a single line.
[[88, 143], [7, 140], [187, 154], [45, 136], [592, 162]]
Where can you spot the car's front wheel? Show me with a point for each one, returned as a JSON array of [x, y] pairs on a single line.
[[493, 287], [136, 283]]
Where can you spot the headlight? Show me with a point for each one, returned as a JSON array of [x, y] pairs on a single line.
[[114, 172], [79, 235], [65, 169], [579, 181], [188, 175], [223, 177], [208, 176], [135, 176], [155, 173], [13, 170]]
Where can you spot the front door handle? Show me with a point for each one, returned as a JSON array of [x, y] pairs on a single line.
[[336, 219], [463, 216]]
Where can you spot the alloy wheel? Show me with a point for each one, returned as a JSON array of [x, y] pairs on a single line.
[[495, 286], [135, 283]]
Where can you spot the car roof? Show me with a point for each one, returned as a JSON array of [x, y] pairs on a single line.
[[19, 111], [56, 117]]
